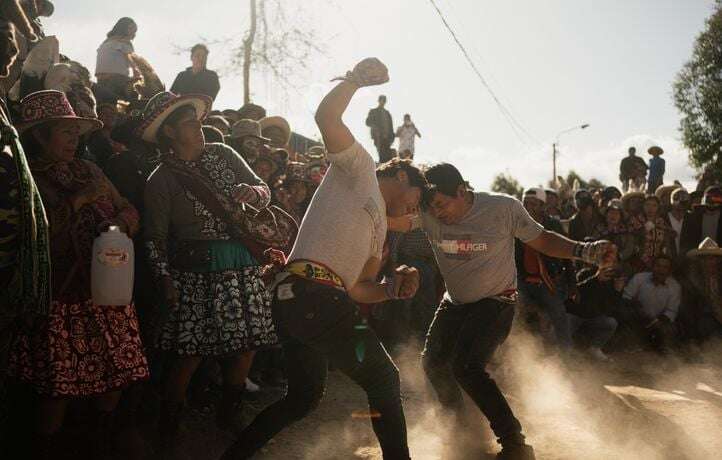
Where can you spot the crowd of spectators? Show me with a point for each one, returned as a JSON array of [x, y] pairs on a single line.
[[80, 156]]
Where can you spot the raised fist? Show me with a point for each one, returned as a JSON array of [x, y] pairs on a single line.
[[369, 72]]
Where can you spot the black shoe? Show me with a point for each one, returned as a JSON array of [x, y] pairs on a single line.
[[516, 452]]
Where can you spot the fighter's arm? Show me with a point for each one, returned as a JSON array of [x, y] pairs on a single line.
[[336, 134], [601, 253], [367, 290]]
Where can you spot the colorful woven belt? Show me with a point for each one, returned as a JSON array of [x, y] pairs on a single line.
[[315, 272]]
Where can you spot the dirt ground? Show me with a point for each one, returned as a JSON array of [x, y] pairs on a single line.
[[641, 406]]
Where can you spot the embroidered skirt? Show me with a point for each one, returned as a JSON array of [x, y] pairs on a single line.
[[219, 313], [81, 349]]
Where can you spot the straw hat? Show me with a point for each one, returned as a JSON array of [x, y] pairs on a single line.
[[632, 194], [536, 192], [708, 247], [161, 105], [297, 172], [247, 127], [51, 105], [278, 122], [655, 150]]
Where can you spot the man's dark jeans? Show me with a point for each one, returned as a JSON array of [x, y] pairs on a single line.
[[318, 325], [460, 343]]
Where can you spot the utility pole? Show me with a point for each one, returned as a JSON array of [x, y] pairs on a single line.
[[554, 162]]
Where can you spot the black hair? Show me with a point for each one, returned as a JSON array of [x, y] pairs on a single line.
[[632, 150], [200, 47], [122, 28], [171, 120], [391, 168], [445, 178]]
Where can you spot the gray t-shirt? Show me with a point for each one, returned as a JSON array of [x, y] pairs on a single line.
[[476, 256], [345, 224]]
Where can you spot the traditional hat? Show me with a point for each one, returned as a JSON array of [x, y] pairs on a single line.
[[247, 127], [161, 105], [316, 152], [536, 192], [278, 122], [632, 194], [252, 111], [679, 195], [50, 105], [611, 193], [708, 247], [712, 196], [655, 150], [212, 134], [297, 172]]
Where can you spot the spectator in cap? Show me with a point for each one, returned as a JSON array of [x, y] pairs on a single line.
[[608, 194], [197, 79], [633, 202], [656, 168], [615, 229], [543, 280], [252, 112], [277, 130], [704, 221], [247, 140], [681, 203], [632, 170]]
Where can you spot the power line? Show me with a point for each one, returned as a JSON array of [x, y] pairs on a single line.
[[516, 127]]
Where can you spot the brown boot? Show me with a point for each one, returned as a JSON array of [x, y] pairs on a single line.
[[228, 412]]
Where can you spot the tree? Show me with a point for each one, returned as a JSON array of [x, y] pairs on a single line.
[[286, 48], [697, 94], [591, 183], [504, 183]]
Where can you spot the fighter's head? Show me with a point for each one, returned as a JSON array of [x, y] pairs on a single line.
[[404, 184], [446, 196]]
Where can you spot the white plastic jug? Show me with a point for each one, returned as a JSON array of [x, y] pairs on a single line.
[[112, 268]]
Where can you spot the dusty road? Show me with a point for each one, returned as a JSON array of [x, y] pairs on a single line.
[[639, 407]]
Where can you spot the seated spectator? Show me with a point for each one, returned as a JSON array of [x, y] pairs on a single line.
[[654, 304], [542, 280], [277, 129], [703, 222], [704, 299], [552, 204], [114, 64], [247, 140], [297, 190], [655, 235], [681, 203], [590, 313], [197, 79], [615, 229]]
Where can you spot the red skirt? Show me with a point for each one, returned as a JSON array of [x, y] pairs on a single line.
[[80, 350]]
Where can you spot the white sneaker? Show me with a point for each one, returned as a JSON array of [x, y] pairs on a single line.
[[252, 387], [598, 354]]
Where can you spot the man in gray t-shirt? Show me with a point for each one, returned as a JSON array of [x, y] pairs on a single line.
[[472, 235]]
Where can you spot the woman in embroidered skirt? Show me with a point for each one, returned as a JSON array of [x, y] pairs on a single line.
[[82, 349], [218, 304]]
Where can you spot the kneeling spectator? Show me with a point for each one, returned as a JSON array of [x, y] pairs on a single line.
[[654, 304], [590, 314], [704, 302]]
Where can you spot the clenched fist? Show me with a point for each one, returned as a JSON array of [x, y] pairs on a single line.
[[369, 72]]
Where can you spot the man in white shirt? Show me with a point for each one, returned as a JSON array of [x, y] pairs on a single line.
[[681, 203], [655, 303], [333, 265]]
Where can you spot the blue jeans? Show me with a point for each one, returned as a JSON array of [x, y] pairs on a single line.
[[553, 306]]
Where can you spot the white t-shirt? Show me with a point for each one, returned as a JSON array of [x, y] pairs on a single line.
[[113, 57], [407, 137], [476, 255], [655, 299], [345, 224]]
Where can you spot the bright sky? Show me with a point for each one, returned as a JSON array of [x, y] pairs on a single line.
[[555, 64]]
